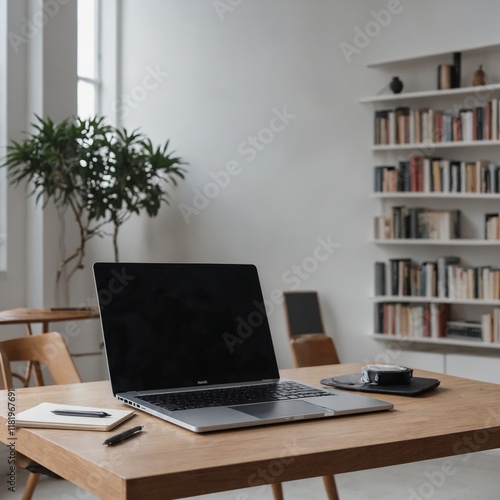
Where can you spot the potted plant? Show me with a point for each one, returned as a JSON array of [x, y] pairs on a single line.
[[101, 174]]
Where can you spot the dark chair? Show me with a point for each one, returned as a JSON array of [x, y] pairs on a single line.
[[309, 343], [310, 347]]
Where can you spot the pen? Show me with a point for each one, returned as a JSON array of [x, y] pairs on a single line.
[[81, 413], [123, 435]]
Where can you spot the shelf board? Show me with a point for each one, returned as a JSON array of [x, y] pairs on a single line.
[[492, 87], [420, 194], [424, 242], [467, 50], [425, 146], [439, 341], [435, 300]]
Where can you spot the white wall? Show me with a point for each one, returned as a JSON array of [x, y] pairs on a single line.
[[211, 80], [220, 77]]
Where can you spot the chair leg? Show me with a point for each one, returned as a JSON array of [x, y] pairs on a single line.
[[30, 485], [277, 491], [330, 487]]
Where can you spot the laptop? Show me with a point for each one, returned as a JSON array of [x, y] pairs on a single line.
[[191, 344]]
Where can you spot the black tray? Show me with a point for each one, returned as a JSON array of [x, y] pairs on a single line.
[[354, 382]]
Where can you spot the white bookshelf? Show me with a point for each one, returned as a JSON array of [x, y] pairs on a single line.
[[442, 341], [430, 196], [391, 154], [479, 50], [432, 146], [410, 96], [409, 299], [458, 242]]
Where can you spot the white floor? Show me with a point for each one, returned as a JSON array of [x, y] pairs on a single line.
[[461, 477]]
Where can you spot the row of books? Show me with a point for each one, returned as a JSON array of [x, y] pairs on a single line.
[[435, 175], [404, 125], [443, 278], [412, 320], [418, 223], [433, 321]]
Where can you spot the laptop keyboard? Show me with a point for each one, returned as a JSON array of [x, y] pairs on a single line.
[[233, 396]]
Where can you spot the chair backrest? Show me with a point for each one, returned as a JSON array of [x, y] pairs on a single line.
[[308, 341], [48, 349]]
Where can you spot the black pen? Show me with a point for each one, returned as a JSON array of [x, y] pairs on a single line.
[[81, 413], [123, 435]]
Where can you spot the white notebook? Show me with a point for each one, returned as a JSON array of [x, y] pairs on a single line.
[[41, 416]]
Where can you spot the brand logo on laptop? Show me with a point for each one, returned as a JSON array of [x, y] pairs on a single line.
[[202, 382]]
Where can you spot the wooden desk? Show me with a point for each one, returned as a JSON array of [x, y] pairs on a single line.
[[166, 461], [44, 316]]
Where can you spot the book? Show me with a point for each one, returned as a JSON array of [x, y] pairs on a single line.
[[443, 284], [380, 275], [464, 330], [492, 226], [41, 416], [399, 283], [439, 316]]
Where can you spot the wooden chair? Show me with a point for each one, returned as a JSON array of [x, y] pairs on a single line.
[[310, 347], [49, 350]]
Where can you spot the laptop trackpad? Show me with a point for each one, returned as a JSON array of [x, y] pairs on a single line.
[[280, 409]]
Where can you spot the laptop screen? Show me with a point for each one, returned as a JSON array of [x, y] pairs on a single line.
[[169, 326]]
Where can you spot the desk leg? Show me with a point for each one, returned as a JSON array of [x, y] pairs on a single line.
[[330, 487], [277, 491], [30, 485]]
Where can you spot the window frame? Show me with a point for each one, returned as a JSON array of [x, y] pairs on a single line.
[[3, 134], [97, 80]]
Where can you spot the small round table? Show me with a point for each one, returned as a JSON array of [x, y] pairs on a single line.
[[44, 317]]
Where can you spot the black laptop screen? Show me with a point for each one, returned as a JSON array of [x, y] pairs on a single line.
[[183, 325]]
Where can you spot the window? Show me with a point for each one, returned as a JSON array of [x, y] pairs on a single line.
[[88, 58], [3, 133]]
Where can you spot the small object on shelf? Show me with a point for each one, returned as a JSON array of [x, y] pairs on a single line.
[[457, 58], [445, 76], [396, 85], [479, 76]]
